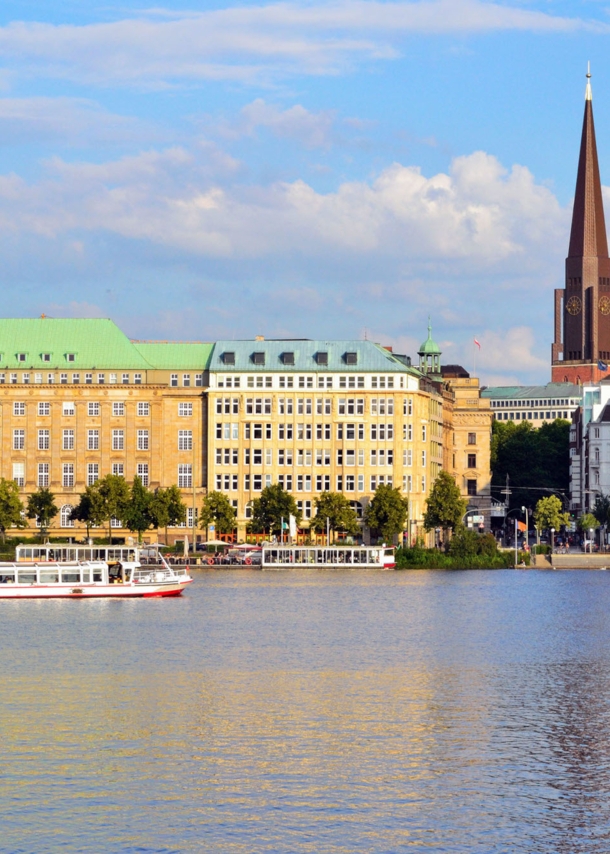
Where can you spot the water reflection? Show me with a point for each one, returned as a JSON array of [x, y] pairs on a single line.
[[404, 712]]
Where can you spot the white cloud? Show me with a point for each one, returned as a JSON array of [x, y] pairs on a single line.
[[313, 130], [254, 43]]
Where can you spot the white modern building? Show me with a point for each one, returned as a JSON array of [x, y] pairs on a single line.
[[590, 448], [535, 404]]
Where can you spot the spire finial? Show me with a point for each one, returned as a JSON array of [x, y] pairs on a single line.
[[588, 95], [429, 327]]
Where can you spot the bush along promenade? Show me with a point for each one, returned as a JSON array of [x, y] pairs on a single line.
[[466, 550]]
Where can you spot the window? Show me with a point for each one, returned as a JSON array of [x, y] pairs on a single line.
[[350, 483], [143, 408], [199, 380], [18, 440], [350, 358], [101, 379], [185, 476], [173, 380], [118, 440], [323, 483], [93, 410], [18, 408], [71, 357], [142, 473], [44, 408], [228, 357], [93, 440], [38, 378], [75, 378], [63, 379], [137, 379], [424, 432], [13, 379], [472, 438], [185, 440], [125, 379], [185, 409], [43, 474], [258, 358], [472, 461], [21, 357], [471, 487], [118, 469], [19, 473], [68, 409], [186, 380], [407, 458], [46, 357], [93, 473], [67, 476], [68, 440], [142, 443], [113, 379], [88, 379], [44, 440], [118, 409]]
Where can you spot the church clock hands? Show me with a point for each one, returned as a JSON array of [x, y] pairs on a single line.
[[574, 305]]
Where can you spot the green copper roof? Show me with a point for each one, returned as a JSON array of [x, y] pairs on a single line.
[[290, 356], [533, 392], [168, 355], [66, 344], [429, 347]]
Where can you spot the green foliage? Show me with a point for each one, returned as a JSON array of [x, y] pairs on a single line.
[[445, 507], [420, 558], [11, 508], [387, 513], [113, 499], [137, 515], [548, 514], [268, 510], [467, 543], [601, 511], [335, 507], [587, 521], [41, 506], [217, 510], [167, 508], [531, 457], [89, 509]]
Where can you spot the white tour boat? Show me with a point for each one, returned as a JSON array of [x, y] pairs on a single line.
[[337, 557], [79, 572]]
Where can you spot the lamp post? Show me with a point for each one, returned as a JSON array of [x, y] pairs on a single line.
[[552, 540], [527, 525], [590, 540]]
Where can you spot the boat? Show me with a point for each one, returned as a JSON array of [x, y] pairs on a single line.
[[335, 557], [75, 572]]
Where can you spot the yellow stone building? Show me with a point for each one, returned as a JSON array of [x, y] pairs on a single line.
[[79, 400]]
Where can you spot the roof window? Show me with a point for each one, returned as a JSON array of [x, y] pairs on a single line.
[[288, 358], [21, 357], [258, 357], [71, 357], [46, 357], [350, 358], [322, 358], [228, 357]]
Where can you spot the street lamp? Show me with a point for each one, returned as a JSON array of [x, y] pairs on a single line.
[[590, 540], [552, 540]]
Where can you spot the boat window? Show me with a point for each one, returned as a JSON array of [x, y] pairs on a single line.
[[7, 576], [26, 576], [389, 552], [97, 575], [49, 576], [86, 576], [70, 576], [25, 554]]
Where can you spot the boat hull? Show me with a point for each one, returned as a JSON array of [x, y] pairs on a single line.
[[93, 591]]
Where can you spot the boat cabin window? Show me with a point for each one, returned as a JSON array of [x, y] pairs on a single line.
[[7, 576], [71, 576], [49, 576], [97, 574], [26, 576]]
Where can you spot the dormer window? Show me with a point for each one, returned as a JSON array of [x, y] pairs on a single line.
[[21, 357], [46, 357], [288, 358], [351, 358], [71, 357], [228, 357], [322, 358], [258, 358]]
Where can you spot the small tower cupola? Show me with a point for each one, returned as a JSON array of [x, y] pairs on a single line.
[[429, 355]]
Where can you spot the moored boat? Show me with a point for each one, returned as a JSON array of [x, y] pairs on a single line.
[[337, 557]]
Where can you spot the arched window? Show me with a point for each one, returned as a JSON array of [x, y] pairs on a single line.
[[64, 516]]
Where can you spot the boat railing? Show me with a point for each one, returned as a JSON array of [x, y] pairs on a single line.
[[158, 573]]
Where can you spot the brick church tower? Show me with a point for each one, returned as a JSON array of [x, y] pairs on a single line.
[[581, 348]]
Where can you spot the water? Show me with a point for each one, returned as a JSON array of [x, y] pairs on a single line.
[[264, 712]]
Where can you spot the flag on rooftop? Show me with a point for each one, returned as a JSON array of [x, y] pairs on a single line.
[[477, 343], [602, 365]]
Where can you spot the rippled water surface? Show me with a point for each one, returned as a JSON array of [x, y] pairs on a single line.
[[407, 711]]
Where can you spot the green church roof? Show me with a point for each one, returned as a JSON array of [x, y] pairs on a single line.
[[178, 355], [429, 347]]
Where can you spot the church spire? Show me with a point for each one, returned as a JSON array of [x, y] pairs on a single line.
[[588, 235]]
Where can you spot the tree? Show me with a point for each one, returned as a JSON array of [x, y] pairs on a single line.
[[601, 511], [137, 515], [273, 505], [11, 508], [587, 521], [387, 513], [534, 459], [114, 499], [41, 506], [336, 508], [549, 514], [445, 507], [217, 510], [89, 509], [167, 508]]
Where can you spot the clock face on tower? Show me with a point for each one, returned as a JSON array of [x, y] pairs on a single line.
[[604, 305], [574, 305]]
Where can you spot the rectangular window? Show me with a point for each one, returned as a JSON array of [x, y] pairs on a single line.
[[19, 473], [472, 461], [76, 379], [185, 476], [185, 440], [18, 408], [142, 473], [93, 410], [142, 443], [198, 379], [101, 379], [38, 379], [68, 409], [26, 379], [137, 379], [423, 433], [118, 469], [113, 379], [118, 409], [44, 440], [472, 438], [44, 408], [360, 483], [471, 486], [185, 409], [67, 476], [257, 482], [63, 379], [186, 380], [43, 474], [68, 440], [339, 483], [143, 408], [93, 473], [173, 380], [18, 440], [125, 379], [118, 440], [93, 440], [88, 379]]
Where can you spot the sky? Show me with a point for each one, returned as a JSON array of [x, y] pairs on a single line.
[[203, 170]]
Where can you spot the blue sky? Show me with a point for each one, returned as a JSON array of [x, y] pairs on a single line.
[[214, 170]]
